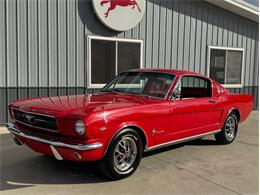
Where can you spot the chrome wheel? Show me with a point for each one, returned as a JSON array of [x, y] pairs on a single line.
[[230, 128], [125, 153]]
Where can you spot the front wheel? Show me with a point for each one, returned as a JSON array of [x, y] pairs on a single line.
[[229, 130], [123, 155]]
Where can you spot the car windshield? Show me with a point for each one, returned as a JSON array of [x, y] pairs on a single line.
[[152, 84]]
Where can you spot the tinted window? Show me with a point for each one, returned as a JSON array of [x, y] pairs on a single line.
[[226, 66], [128, 56], [102, 61], [217, 65], [195, 87], [234, 67], [111, 57]]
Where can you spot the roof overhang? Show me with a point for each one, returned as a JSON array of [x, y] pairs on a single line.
[[239, 7]]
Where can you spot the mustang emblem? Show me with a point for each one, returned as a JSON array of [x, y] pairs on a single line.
[[29, 119], [155, 131], [124, 3]]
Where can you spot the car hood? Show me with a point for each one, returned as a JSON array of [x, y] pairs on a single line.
[[80, 104]]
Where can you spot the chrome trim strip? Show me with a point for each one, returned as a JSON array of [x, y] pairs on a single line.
[[16, 140], [81, 147], [181, 140]]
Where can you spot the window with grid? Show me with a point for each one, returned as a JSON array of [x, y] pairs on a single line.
[[226, 65], [110, 56]]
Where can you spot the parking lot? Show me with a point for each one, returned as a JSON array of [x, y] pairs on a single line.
[[198, 167]]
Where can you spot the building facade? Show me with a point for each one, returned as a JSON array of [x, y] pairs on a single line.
[[60, 47]]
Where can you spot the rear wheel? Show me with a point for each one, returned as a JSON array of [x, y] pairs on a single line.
[[123, 155], [229, 130]]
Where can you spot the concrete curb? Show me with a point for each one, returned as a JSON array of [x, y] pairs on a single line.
[[3, 130]]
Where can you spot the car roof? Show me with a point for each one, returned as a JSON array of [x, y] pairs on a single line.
[[171, 71]]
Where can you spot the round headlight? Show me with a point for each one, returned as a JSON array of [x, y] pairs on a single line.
[[80, 127]]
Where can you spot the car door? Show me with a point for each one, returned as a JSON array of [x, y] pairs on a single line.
[[192, 112]]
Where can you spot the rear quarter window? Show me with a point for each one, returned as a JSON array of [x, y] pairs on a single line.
[[195, 87]]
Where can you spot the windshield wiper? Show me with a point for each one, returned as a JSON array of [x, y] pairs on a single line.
[[132, 92], [108, 91], [120, 91], [137, 93], [111, 90]]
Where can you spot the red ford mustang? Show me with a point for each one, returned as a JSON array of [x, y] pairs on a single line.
[[138, 111]]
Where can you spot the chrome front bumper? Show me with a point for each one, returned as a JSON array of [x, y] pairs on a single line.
[[81, 147]]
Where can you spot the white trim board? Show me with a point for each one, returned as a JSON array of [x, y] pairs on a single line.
[[238, 7]]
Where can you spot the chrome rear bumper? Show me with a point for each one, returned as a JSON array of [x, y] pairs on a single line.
[[81, 147]]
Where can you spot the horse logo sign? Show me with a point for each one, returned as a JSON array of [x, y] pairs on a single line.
[[114, 3], [119, 15]]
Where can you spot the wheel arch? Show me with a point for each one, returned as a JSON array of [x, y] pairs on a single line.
[[236, 112], [136, 128], [141, 133]]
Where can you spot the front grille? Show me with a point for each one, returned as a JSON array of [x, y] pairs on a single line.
[[35, 120]]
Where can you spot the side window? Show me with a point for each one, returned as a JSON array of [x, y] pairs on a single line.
[[195, 87]]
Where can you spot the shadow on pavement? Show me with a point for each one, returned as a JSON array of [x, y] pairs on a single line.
[[21, 167], [197, 142]]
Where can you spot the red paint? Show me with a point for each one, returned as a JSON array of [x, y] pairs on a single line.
[[115, 3], [172, 119]]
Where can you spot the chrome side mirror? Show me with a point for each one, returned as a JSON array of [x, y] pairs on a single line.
[[176, 94]]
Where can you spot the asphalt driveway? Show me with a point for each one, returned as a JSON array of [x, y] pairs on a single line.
[[200, 167]]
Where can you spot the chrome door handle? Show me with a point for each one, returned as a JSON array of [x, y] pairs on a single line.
[[212, 101]]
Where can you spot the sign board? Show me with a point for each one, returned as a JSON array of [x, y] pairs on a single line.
[[120, 15]]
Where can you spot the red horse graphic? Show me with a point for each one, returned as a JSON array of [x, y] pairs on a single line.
[[124, 3]]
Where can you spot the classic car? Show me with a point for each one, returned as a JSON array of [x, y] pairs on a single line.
[[138, 111]]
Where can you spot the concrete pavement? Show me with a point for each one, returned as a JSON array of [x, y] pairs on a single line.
[[200, 167], [3, 130]]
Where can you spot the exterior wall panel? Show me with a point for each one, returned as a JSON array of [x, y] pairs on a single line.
[[204, 29], [43, 43], [44, 50], [71, 47], [186, 38], [22, 58], [192, 37], [62, 43], [3, 49], [149, 35], [80, 35], [11, 37], [175, 34], [162, 36], [53, 43], [156, 34], [33, 49], [256, 61], [168, 34]]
